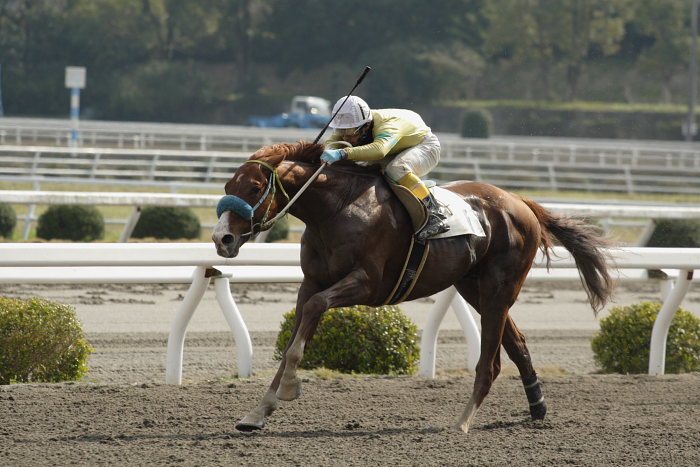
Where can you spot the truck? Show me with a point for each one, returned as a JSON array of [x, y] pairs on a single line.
[[304, 112]]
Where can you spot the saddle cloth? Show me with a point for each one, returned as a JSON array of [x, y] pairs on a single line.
[[460, 216]]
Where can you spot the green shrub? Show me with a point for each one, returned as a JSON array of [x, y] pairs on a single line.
[[358, 339], [622, 345], [8, 220], [279, 231], [77, 223], [41, 341], [167, 222], [676, 233], [477, 124]]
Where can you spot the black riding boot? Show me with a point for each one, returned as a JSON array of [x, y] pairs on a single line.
[[436, 220]]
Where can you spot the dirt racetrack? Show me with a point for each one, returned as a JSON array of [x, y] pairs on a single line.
[[123, 414], [593, 420]]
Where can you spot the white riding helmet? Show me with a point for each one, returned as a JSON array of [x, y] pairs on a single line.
[[354, 113]]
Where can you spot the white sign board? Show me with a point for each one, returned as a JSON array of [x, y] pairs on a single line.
[[75, 77]]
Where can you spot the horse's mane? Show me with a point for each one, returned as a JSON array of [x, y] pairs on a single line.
[[307, 153], [302, 151]]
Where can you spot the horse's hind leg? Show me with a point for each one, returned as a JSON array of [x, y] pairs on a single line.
[[488, 366], [514, 344], [491, 292]]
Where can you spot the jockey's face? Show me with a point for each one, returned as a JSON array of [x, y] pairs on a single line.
[[358, 137]]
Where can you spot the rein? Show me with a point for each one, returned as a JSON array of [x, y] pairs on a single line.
[[246, 211]]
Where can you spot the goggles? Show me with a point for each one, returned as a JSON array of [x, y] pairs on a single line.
[[349, 131]]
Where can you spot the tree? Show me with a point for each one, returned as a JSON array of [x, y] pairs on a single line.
[[419, 53], [667, 21], [556, 34]]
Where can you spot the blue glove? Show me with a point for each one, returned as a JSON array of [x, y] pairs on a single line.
[[333, 155]]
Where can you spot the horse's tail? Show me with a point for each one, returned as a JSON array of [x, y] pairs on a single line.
[[585, 245]]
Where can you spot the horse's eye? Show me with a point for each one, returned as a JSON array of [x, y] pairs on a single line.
[[255, 190]]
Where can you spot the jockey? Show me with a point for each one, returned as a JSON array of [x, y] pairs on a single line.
[[396, 139]]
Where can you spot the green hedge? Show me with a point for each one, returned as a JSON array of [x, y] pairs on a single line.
[[167, 222], [622, 345], [279, 231], [76, 223], [41, 341], [8, 220], [358, 339], [676, 233], [476, 124]]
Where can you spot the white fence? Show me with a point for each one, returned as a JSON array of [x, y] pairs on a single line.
[[145, 135], [149, 166], [195, 263], [209, 153]]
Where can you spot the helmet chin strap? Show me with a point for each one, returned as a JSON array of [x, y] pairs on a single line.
[[367, 137]]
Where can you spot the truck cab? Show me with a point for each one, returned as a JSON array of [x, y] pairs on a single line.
[[304, 112]]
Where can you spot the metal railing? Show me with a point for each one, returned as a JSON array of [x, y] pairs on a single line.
[[145, 135], [212, 169]]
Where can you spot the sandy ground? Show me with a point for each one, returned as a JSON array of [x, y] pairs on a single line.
[[124, 414]]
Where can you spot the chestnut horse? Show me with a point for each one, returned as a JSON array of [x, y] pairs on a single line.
[[355, 244]]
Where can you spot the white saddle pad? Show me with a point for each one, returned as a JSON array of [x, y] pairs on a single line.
[[460, 216]]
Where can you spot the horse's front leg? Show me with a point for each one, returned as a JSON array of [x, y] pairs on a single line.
[[350, 290], [255, 419]]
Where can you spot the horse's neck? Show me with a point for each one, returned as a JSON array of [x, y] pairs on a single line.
[[331, 192]]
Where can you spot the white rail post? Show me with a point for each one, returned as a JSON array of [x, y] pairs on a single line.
[[176, 339], [428, 344], [471, 331], [659, 333], [244, 346], [428, 341], [130, 224], [31, 213]]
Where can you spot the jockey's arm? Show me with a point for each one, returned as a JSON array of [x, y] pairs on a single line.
[[383, 143], [387, 133]]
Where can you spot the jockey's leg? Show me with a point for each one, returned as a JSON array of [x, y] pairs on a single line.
[[405, 169], [435, 224]]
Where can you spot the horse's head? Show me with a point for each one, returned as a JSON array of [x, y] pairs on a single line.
[[252, 195], [249, 202]]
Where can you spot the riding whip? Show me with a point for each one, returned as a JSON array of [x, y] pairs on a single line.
[[284, 210]]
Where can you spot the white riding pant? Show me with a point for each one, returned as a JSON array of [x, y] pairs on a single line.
[[419, 159]]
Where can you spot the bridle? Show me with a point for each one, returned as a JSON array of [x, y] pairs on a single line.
[[245, 210]]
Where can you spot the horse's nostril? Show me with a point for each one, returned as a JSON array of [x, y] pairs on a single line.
[[227, 239]]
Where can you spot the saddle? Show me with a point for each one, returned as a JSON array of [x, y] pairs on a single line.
[[416, 209]]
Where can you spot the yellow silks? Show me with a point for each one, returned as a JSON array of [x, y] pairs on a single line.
[[415, 184]]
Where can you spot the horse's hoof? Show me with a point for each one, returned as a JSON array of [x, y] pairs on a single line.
[[289, 391], [247, 428], [537, 412], [248, 425], [250, 422], [463, 428]]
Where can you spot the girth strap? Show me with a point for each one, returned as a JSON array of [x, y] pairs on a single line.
[[417, 254]]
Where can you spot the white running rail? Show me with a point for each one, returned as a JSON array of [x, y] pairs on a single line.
[[196, 263]]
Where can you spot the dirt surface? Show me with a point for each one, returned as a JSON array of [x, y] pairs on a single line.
[[593, 420], [123, 414]]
